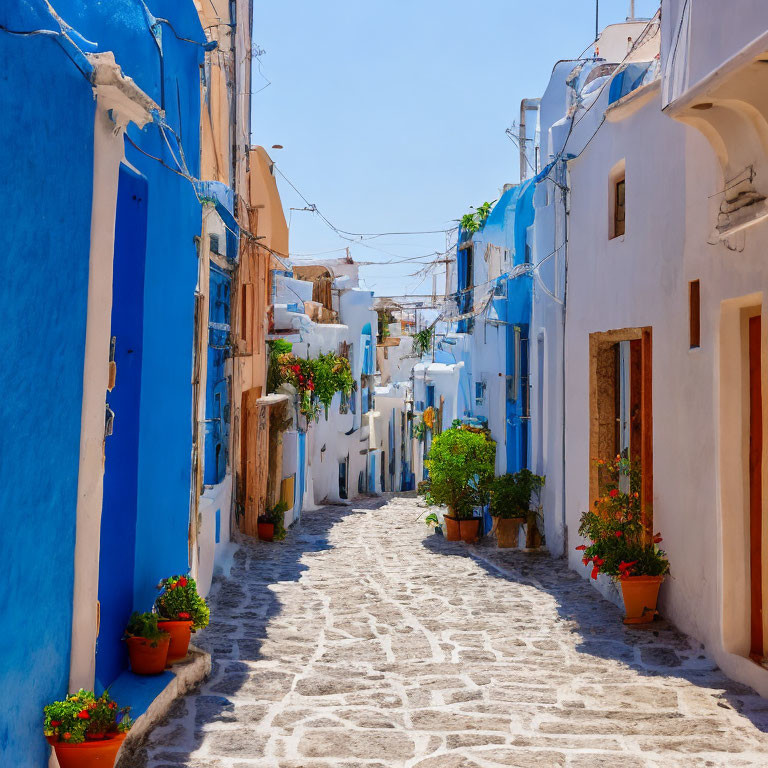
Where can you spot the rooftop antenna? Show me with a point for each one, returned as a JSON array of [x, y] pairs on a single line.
[[597, 19]]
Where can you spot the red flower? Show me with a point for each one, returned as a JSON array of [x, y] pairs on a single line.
[[112, 705], [618, 534], [614, 493], [182, 582], [596, 563], [625, 568], [311, 386], [586, 560], [55, 723], [183, 615], [595, 571], [581, 547], [657, 538], [67, 736], [83, 714], [296, 368]]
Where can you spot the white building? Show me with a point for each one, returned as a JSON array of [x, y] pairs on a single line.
[[333, 459], [665, 337]]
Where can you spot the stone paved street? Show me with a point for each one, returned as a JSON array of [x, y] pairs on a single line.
[[364, 640]]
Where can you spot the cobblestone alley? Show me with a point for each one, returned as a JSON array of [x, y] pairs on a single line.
[[364, 640]]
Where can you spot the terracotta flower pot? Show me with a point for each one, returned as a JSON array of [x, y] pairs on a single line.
[[469, 529], [89, 754], [180, 632], [146, 659], [452, 532], [508, 531], [641, 594], [266, 531]]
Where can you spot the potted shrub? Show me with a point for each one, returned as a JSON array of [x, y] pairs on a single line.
[[511, 497], [181, 611], [271, 524], [619, 544], [460, 471], [86, 731], [147, 644]]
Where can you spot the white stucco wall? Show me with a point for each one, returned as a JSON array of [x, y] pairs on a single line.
[[641, 279], [331, 440], [215, 500]]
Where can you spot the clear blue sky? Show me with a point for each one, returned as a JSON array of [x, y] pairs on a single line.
[[392, 114]]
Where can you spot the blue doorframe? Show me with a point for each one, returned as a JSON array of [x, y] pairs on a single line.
[[119, 509]]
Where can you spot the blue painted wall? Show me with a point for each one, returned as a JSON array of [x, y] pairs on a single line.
[[506, 227], [46, 153], [43, 302], [174, 221]]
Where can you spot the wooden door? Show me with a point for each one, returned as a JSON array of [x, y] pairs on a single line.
[[755, 489], [254, 460]]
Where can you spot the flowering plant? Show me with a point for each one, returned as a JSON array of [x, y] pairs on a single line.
[[615, 527], [84, 716], [316, 380], [179, 601]]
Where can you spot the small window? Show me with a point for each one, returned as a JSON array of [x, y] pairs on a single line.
[[479, 393], [430, 395], [619, 207], [694, 313], [214, 238]]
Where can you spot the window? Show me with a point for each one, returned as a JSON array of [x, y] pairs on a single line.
[[479, 393], [430, 395], [694, 313], [619, 210], [617, 200]]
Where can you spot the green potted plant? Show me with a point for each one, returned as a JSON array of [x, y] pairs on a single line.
[[460, 472], [86, 731], [271, 524], [181, 611], [620, 546], [147, 644], [511, 497]]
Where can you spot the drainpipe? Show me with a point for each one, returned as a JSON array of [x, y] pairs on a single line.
[[525, 105]]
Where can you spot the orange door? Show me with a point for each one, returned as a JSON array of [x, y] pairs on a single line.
[[755, 489]]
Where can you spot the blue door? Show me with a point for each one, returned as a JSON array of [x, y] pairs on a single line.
[[118, 517]]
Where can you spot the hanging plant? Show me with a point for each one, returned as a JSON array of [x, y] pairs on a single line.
[[316, 381]]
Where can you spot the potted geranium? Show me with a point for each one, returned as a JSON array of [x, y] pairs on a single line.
[[619, 544], [181, 611], [460, 471], [511, 497], [147, 644], [86, 730], [271, 525]]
